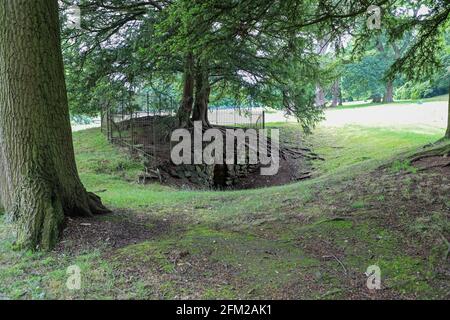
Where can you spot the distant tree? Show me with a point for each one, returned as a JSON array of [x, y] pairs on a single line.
[[429, 21], [336, 97], [364, 79]]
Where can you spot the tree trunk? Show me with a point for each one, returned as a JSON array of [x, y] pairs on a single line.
[[376, 98], [202, 92], [389, 92], [335, 92], [447, 134], [321, 49], [320, 96], [184, 113], [39, 182]]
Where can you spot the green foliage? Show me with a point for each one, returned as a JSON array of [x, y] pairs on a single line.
[[365, 79], [80, 119], [435, 84], [414, 91], [423, 56], [413, 49], [256, 52]]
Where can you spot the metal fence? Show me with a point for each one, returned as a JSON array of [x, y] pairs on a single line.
[[237, 117], [147, 132]]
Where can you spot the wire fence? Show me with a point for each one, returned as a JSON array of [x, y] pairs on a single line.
[[237, 117], [147, 131]]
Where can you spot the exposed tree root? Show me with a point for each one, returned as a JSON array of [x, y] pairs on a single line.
[[297, 153], [443, 151], [88, 205], [446, 164], [95, 204]]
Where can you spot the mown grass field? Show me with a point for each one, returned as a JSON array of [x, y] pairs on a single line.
[[310, 239], [362, 104]]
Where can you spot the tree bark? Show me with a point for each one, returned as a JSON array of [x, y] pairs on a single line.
[[202, 92], [335, 92], [184, 113], [447, 133], [320, 96], [389, 92], [388, 96], [39, 182], [376, 99]]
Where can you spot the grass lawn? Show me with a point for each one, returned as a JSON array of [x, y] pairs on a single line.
[[363, 104], [310, 239]]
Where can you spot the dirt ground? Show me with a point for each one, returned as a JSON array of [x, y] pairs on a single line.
[[294, 162]]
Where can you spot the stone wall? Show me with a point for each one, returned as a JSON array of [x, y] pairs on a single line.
[[211, 176]]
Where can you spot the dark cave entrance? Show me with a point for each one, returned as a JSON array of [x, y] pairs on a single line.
[[220, 176]]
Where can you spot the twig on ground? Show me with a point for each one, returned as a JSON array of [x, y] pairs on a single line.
[[339, 261], [331, 292], [448, 247]]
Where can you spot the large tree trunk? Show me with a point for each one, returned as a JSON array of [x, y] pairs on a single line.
[[184, 113], [389, 92], [388, 96], [202, 92], [335, 92], [39, 183]]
